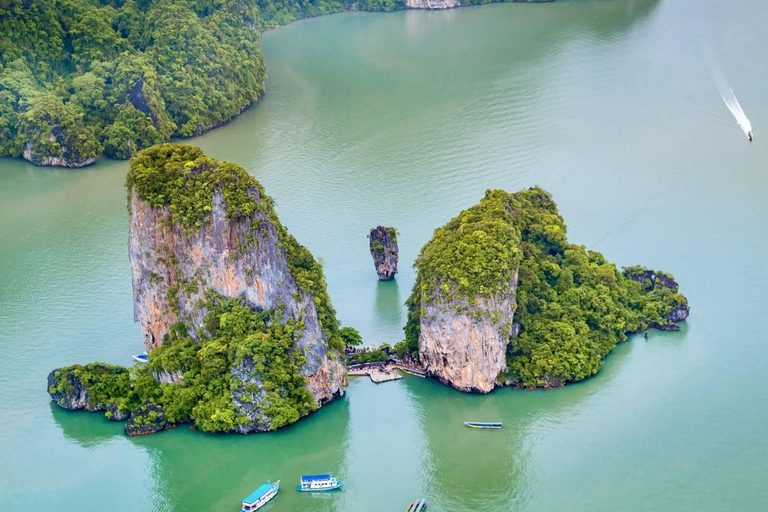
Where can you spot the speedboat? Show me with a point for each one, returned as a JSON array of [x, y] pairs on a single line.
[[311, 483], [749, 135], [260, 496], [141, 358]]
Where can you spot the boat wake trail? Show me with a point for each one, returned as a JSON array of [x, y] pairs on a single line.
[[729, 98]]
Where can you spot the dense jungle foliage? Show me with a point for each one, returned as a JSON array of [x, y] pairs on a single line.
[[268, 377], [83, 77], [572, 307]]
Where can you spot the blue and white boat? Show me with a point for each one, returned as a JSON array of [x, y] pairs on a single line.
[[260, 496], [311, 483], [141, 358]]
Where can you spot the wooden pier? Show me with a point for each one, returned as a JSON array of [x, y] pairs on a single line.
[[417, 506]]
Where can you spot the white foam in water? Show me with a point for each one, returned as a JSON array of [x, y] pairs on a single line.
[[733, 105], [729, 98]]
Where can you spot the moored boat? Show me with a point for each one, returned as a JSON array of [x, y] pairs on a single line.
[[260, 496], [141, 358], [311, 483], [477, 424], [410, 371]]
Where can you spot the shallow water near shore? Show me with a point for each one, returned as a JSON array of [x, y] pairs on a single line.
[[404, 119]]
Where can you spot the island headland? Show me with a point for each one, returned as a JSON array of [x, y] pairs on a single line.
[[502, 298], [240, 330]]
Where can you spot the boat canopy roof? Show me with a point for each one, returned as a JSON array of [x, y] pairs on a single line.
[[308, 478], [258, 493]]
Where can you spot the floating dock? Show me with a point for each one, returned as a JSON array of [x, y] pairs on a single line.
[[377, 373], [417, 506]]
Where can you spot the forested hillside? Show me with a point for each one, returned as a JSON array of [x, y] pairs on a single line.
[[81, 77]]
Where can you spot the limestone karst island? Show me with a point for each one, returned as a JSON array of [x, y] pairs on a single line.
[[242, 336], [383, 255]]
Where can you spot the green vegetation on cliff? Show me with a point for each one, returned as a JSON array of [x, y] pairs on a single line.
[[184, 179], [241, 368], [82, 77], [573, 306], [241, 341]]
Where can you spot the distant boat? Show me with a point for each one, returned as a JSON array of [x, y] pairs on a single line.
[[409, 371], [141, 358], [475, 424], [417, 506], [749, 135], [260, 496], [311, 483]]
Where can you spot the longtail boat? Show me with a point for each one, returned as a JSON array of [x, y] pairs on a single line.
[[477, 424], [409, 371]]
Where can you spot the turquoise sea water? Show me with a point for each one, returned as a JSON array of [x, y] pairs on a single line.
[[404, 119]]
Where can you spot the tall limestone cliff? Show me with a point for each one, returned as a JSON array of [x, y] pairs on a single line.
[[464, 296], [235, 314], [502, 298]]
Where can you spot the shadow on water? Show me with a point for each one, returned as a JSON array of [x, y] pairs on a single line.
[[388, 308], [490, 470], [193, 470], [88, 430]]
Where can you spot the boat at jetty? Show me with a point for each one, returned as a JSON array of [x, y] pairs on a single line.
[[411, 371], [141, 358], [311, 483], [260, 496], [476, 424]]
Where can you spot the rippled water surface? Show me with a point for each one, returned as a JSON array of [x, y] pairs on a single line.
[[404, 119]]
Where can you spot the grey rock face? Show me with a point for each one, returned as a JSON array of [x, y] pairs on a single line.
[[383, 245], [69, 158], [464, 345], [679, 314], [172, 269], [247, 396], [431, 4], [147, 419], [77, 397], [164, 377]]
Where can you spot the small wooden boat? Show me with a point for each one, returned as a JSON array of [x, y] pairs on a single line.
[[313, 483], [477, 424], [409, 371], [260, 496], [417, 506], [141, 358]]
